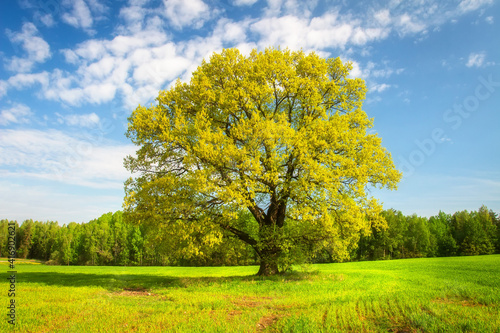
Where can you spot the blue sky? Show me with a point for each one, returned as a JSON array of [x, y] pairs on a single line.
[[73, 70]]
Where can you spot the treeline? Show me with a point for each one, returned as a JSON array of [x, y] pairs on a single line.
[[109, 240], [461, 234]]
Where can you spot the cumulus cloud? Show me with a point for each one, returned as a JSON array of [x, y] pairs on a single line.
[[46, 19], [383, 17], [183, 13], [470, 5], [379, 87], [105, 66], [82, 14], [330, 30], [142, 58], [37, 50], [134, 16], [24, 80], [244, 2], [408, 24], [303, 8], [230, 31], [68, 88], [3, 88], [17, 114], [79, 16], [476, 60], [158, 70]]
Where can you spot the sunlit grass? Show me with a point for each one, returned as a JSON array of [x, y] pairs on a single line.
[[413, 295]]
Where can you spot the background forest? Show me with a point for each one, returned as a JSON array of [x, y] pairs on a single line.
[[109, 240]]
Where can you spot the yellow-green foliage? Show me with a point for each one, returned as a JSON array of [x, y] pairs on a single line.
[[278, 133]]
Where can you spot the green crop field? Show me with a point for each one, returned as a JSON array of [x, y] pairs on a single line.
[[459, 294]]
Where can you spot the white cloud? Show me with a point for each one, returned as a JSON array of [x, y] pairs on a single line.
[[105, 66], [134, 16], [303, 8], [88, 50], [24, 80], [68, 89], [142, 58], [372, 70], [273, 7], [379, 87], [145, 59], [331, 30], [287, 30], [471, 5], [476, 60], [17, 114], [383, 17], [37, 49], [489, 20], [361, 36], [85, 120], [232, 32], [42, 202], [56, 156], [122, 45], [119, 46], [166, 67], [183, 13], [244, 2], [96, 6], [99, 93], [409, 24], [80, 15], [47, 20], [300, 7], [3, 88]]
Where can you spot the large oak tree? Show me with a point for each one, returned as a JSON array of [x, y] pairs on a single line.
[[271, 148]]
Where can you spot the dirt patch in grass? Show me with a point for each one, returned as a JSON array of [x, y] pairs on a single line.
[[135, 291], [463, 302], [267, 321], [251, 302], [233, 313], [393, 325], [281, 307]]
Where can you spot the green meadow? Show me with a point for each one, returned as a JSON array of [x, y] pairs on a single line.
[[456, 294]]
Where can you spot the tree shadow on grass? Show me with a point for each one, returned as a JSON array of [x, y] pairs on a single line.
[[114, 282], [107, 281]]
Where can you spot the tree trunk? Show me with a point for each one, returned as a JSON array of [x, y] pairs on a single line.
[[267, 268], [269, 261]]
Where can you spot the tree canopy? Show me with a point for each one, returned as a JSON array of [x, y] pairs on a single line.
[[271, 148]]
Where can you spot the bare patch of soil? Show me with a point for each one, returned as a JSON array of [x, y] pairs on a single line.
[[233, 313], [250, 302], [267, 321], [463, 302], [139, 291]]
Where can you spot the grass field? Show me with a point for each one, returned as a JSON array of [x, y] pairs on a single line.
[[413, 295]]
